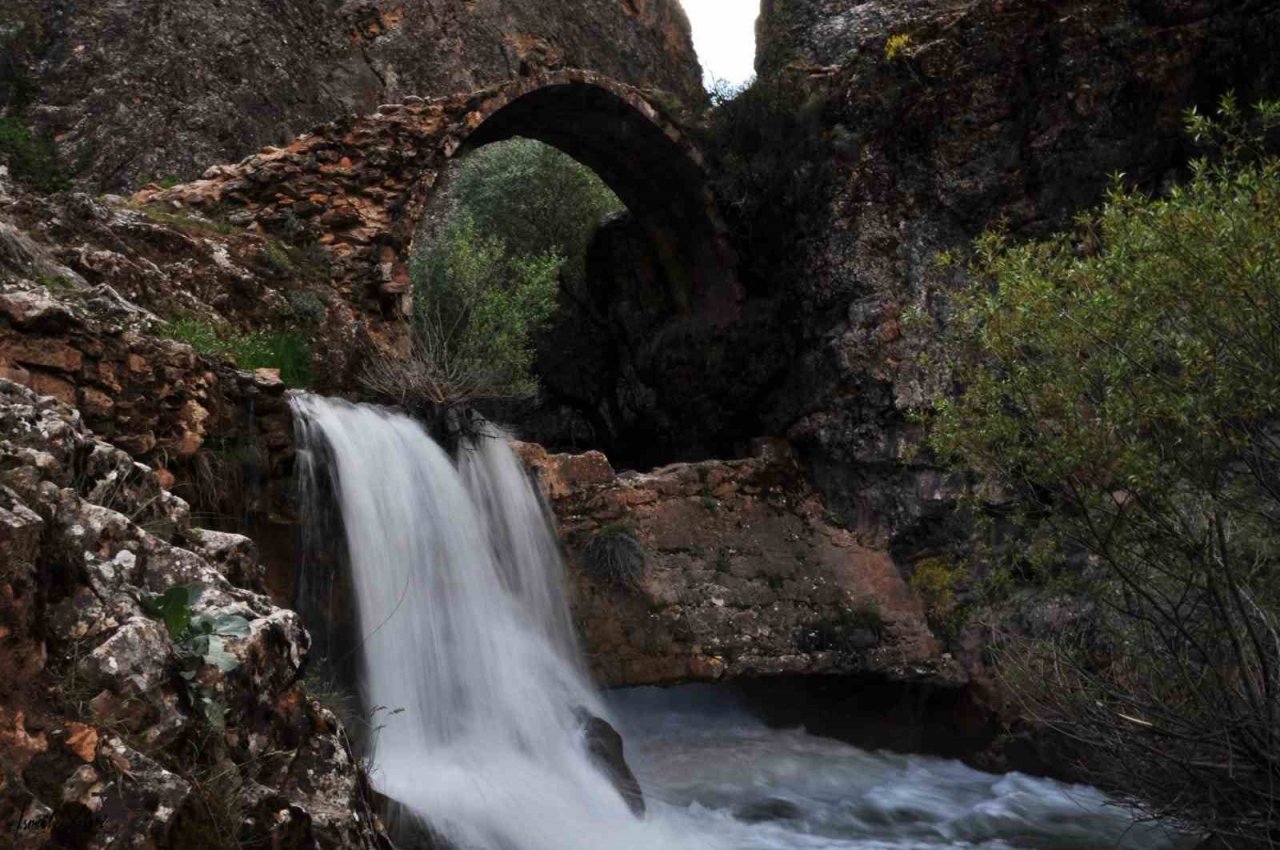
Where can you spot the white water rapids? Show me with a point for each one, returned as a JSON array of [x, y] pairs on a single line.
[[469, 656]]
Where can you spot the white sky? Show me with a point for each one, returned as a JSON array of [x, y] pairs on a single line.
[[724, 34]]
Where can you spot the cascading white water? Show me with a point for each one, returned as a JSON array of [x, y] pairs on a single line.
[[468, 649]]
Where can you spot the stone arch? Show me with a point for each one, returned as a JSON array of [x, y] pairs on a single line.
[[645, 159], [358, 187]]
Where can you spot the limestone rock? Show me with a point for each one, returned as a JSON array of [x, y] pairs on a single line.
[[605, 746], [97, 668]]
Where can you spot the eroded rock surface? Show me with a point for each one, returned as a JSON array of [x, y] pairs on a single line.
[[147, 90], [102, 742], [983, 111], [739, 573]]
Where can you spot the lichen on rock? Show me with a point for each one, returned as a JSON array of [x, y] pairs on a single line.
[[100, 739]]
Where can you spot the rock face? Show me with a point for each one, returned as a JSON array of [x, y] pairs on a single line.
[[102, 742], [146, 90], [988, 110], [79, 281], [724, 569]]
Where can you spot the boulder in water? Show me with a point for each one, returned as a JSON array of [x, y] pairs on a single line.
[[605, 746]]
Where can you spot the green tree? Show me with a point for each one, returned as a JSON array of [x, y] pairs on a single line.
[[476, 309], [520, 219], [1122, 383], [535, 199]]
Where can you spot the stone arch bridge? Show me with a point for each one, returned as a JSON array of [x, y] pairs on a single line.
[[359, 186]]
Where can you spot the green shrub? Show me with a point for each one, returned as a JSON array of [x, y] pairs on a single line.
[[305, 306], [936, 580], [486, 284], [614, 554], [33, 159], [477, 308], [287, 351], [1122, 383]]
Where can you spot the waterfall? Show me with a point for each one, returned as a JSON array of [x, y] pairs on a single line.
[[466, 649], [467, 654]]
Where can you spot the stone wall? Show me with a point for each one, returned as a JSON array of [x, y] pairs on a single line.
[[355, 191], [89, 291]]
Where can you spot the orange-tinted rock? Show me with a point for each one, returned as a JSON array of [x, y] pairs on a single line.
[[48, 352], [741, 575], [95, 402], [47, 384]]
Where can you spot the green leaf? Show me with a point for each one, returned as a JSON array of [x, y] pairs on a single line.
[[216, 654], [231, 625], [226, 625], [173, 607]]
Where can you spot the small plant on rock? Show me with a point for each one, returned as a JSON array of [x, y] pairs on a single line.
[[198, 640], [615, 555], [289, 352], [937, 581], [896, 46]]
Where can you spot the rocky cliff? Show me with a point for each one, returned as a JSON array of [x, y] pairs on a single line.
[[152, 90], [118, 726], [977, 111], [980, 112]]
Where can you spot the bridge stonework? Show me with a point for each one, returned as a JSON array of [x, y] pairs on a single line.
[[358, 187]]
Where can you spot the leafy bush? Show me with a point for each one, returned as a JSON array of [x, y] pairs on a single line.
[[522, 214], [290, 352], [936, 580], [32, 159], [614, 554], [1122, 382], [476, 310], [305, 306]]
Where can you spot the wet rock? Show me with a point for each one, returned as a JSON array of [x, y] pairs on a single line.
[[605, 746]]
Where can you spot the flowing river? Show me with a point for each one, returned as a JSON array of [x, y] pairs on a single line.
[[467, 659]]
